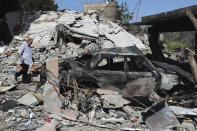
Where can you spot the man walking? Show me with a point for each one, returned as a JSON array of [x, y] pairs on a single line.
[[24, 59]]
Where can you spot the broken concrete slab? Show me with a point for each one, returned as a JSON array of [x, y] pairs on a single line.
[[51, 96], [28, 99], [6, 88], [52, 66]]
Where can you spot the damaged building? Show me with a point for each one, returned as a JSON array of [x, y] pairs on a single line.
[[91, 74]]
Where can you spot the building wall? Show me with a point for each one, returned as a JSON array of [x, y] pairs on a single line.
[[108, 10]]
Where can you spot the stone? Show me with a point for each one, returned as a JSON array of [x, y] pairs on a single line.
[[51, 98], [52, 66], [24, 113]]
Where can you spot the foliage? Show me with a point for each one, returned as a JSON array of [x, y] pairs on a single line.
[[125, 15], [182, 37], [34, 5], [176, 44]]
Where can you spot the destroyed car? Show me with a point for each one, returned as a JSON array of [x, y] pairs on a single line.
[[111, 68]]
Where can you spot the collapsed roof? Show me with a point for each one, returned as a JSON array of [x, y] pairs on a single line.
[[43, 26]]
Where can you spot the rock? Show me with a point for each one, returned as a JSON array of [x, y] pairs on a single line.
[[24, 113], [51, 96]]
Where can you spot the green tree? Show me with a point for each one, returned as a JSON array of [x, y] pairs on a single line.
[[125, 15], [35, 5]]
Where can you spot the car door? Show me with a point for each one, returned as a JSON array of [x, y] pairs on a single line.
[[111, 74]]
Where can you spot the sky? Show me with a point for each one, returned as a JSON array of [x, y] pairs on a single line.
[[147, 7]]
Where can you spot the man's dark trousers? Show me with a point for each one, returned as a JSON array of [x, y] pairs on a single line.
[[23, 72]]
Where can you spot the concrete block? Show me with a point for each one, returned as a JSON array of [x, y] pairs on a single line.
[[51, 98], [52, 65]]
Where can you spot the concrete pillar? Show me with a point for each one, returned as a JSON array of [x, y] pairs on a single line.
[[153, 35]]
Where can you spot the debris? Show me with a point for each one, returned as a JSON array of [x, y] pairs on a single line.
[[69, 114], [32, 115], [106, 92], [51, 96], [6, 85], [115, 100], [183, 111], [168, 81], [130, 111], [24, 113], [28, 99], [5, 105], [27, 123], [49, 126], [52, 66], [97, 72], [142, 87], [160, 117], [112, 120], [72, 45], [54, 116]]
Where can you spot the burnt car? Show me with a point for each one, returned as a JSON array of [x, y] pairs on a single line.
[[111, 68]]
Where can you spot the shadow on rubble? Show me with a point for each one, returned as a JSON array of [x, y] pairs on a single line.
[[25, 22]]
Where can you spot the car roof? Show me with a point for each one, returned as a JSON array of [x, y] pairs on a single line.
[[118, 51]]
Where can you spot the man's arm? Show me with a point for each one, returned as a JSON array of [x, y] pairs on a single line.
[[20, 52], [20, 56]]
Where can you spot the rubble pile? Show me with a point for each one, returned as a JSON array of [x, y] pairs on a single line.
[[90, 74]]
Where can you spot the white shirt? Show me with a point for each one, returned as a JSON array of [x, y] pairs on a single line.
[[26, 53]]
